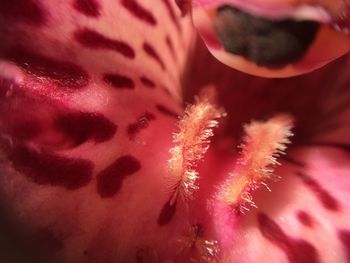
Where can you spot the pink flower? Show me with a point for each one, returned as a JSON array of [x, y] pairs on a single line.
[[122, 139]]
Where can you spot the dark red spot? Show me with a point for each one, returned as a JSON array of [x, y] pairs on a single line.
[[172, 14], [25, 129], [64, 74], [119, 81], [305, 218], [170, 47], [92, 39], [328, 201], [184, 5], [140, 124], [166, 111], [47, 168], [147, 82], [87, 7], [81, 127], [26, 11], [140, 12], [109, 181], [167, 214], [344, 236], [152, 53], [296, 250]]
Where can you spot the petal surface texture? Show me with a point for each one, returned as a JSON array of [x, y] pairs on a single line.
[[94, 95]]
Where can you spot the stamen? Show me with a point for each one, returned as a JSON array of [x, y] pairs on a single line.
[[191, 143], [205, 250], [263, 143]]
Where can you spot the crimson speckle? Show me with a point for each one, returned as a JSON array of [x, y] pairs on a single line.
[[92, 39], [140, 12], [172, 14], [147, 82], [109, 181], [344, 236], [170, 46], [141, 123], [167, 214], [47, 168], [81, 127], [119, 81], [184, 5], [89, 8], [152, 53], [326, 199], [305, 218], [296, 250], [26, 11], [64, 74], [161, 108], [25, 129]]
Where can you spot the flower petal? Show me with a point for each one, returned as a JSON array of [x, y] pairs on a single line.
[[243, 34]]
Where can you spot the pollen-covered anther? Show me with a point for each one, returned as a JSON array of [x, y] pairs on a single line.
[[262, 144], [192, 141]]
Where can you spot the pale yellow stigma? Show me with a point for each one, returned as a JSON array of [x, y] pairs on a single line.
[[263, 143], [191, 143]]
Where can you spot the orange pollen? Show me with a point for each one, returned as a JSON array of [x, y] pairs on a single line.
[[191, 143], [262, 144]]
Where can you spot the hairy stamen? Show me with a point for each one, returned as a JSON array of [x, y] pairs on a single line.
[[263, 143], [205, 250], [191, 143]]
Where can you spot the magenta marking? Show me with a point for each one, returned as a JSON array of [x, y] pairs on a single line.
[[139, 12], [184, 5], [89, 8], [170, 46], [92, 39], [81, 127], [64, 74], [119, 81], [344, 237], [26, 11], [25, 129], [47, 168], [167, 214], [296, 250], [147, 82], [305, 218], [326, 199], [162, 109], [172, 15], [152, 53], [110, 180], [140, 124]]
